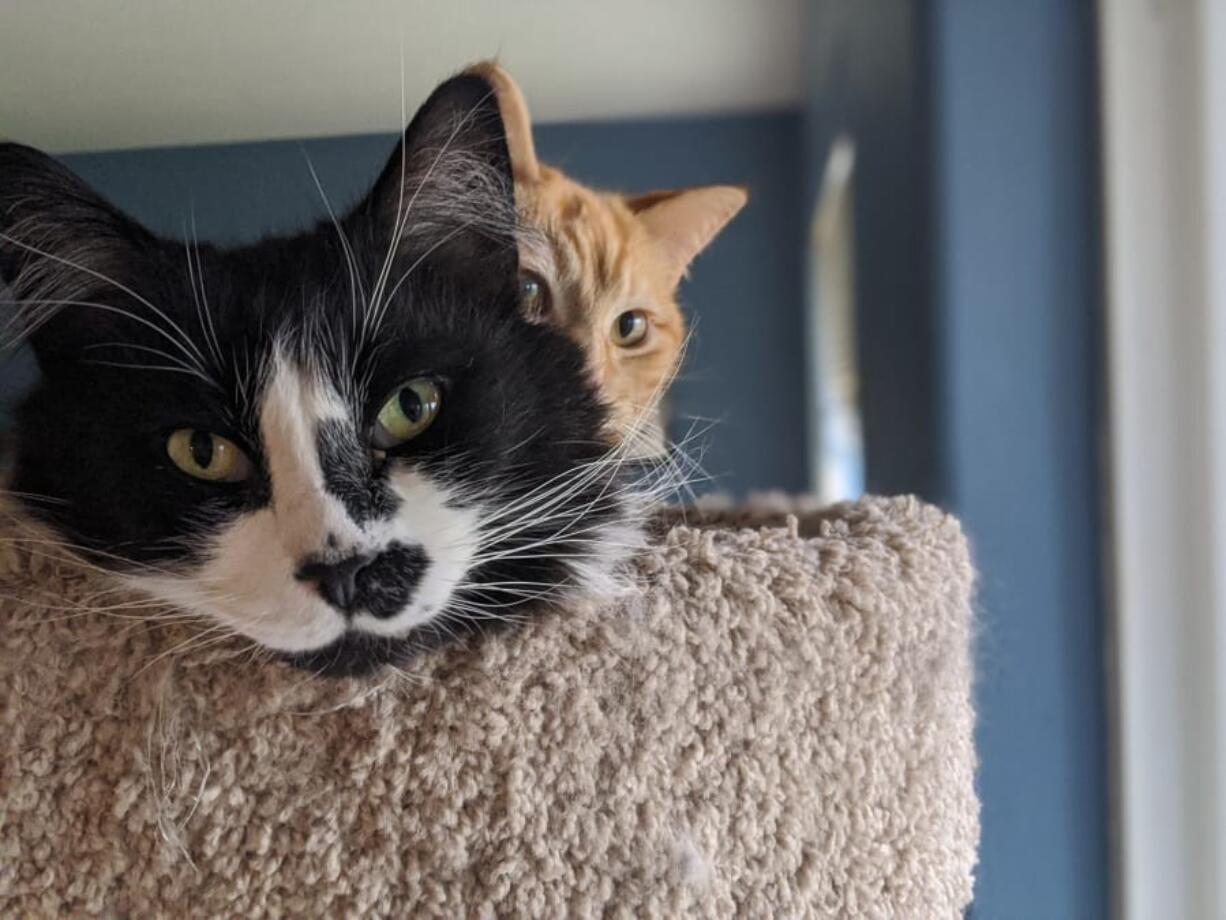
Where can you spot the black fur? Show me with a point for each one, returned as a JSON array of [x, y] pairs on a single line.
[[350, 475], [518, 409]]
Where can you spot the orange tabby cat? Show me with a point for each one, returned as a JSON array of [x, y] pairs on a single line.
[[605, 268]]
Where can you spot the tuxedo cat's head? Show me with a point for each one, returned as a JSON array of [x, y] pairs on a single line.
[[333, 444]]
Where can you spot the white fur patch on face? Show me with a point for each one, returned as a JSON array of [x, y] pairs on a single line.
[[429, 518], [248, 581], [293, 406]]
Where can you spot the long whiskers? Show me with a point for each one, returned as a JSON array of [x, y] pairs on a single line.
[[176, 333], [357, 291]]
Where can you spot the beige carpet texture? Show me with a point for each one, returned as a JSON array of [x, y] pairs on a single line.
[[774, 722]]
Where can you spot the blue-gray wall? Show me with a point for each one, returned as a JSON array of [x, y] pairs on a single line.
[[1019, 240], [866, 78], [977, 230], [745, 366]]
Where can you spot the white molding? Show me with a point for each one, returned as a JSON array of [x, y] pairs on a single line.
[[1164, 145], [1213, 54], [84, 75]]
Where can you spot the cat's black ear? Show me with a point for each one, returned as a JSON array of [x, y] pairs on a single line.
[[62, 247], [446, 201]]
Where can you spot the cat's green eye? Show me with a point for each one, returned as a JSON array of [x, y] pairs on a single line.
[[630, 328], [534, 298], [407, 413], [208, 456]]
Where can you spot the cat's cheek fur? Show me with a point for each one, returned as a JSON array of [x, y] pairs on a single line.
[[247, 585], [431, 517], [248, 582]]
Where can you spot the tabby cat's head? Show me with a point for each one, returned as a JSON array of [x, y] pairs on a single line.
[[335, 444], [605, 267]]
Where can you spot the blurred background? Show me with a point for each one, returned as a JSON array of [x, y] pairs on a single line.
[[979, 265]]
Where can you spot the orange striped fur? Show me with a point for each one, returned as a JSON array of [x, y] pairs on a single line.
[[603, 263]]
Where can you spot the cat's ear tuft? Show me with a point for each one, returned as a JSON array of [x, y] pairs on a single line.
[[683, 222], [515, 118], [445, 200], [60, 245]]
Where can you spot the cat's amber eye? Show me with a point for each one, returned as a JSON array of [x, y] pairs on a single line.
[[534, 297], [409, 411], [630, 328], [208, 456]]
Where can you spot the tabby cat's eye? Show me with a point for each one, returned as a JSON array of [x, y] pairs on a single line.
[[407, 413], [534, 297], [208, 456], [630, 328]]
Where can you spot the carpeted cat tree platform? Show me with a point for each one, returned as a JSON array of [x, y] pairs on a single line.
[[775, 722]]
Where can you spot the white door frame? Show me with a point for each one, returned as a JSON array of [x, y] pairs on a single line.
[[1163, 69]]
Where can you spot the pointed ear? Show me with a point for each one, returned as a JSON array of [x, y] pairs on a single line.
[[445, 199], [61, 245], [515, 118], [683, 222]]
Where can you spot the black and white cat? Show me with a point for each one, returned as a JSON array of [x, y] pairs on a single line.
[[335, 444]]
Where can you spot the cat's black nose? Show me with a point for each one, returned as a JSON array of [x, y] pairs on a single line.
[[380, 584], [337, 582]]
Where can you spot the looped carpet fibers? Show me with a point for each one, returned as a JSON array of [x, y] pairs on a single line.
[[774, 721]]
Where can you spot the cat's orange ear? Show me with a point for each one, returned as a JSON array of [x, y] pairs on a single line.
[[515, 119], [683, 222]]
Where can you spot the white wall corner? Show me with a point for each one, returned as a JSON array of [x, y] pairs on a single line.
[[1164, 146]]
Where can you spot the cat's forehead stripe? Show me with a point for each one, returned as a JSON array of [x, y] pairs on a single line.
[[296, 402]]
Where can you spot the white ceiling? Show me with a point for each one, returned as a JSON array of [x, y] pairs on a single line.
[[90, 75]]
